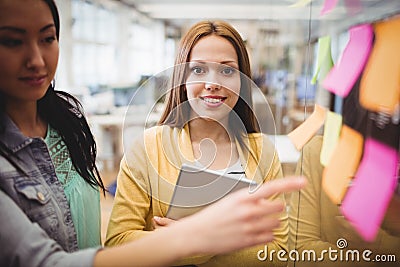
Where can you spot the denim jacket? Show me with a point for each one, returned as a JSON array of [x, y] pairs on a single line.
[[36, 189]]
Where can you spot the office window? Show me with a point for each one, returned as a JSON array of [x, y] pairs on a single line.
[[141, 48], [94, 33]]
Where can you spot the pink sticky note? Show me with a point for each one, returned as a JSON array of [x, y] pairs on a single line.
[[353, 6], [340, 80], [328, 6], [367, 199]]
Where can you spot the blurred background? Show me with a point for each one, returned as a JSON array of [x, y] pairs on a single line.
[[109, 48]]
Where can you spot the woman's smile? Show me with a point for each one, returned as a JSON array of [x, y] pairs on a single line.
[[34, 81], [213, 100]]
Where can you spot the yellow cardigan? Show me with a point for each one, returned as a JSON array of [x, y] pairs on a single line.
[[316, 223], [146, 180]]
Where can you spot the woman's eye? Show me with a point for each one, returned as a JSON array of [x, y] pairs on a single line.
[[197, 70], [10, 42], [50, 39], [228, 71]]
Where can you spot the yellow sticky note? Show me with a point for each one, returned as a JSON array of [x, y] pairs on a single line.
[[333, 124], [343, 164], [324, 59], [380, 83], [308, 128]]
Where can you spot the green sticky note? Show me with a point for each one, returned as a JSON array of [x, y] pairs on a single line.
[[333, 124], [324, 59]]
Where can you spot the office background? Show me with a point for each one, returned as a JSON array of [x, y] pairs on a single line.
[[110, 48]]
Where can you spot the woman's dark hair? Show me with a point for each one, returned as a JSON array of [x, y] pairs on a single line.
[[65, 114], [56, 16]]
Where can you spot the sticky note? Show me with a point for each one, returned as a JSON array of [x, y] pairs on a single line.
[[324, 59], [367, 199], [333, 125], [353, 6], [345, 73], [328, 6], [302, 134], [380, 83], [343, 164]]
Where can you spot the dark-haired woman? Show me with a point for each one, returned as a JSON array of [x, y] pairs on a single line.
[[44, 130]]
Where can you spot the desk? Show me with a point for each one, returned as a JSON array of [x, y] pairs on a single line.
[[107, 131], [111, 132], [287, 153]]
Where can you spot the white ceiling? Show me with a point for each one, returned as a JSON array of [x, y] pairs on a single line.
[[224, 9], [251, 9], [284, 13]]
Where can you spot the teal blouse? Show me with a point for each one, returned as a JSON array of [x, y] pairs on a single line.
[[83, 199]]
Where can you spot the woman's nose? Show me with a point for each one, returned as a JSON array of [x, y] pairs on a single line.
[[211, 83], [34, 57], [211, 86]]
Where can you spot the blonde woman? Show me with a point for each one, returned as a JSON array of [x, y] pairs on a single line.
[[208, 121]]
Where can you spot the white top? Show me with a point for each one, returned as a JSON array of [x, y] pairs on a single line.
[[236, 170]]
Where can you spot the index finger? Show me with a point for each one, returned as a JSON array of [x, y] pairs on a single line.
[[283, 185]]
